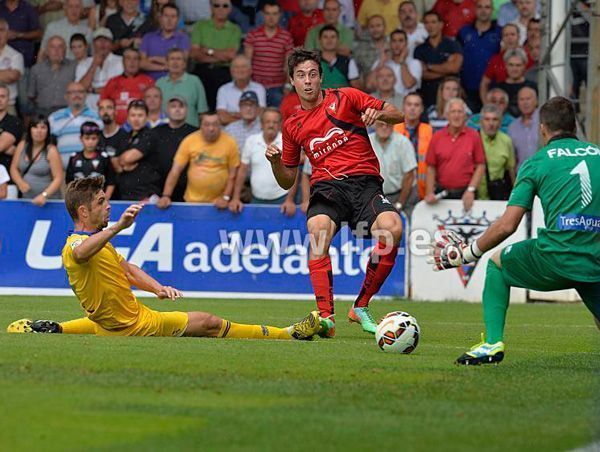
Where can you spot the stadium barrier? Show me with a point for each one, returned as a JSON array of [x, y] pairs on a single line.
[[466, 282], [205, 252], [256, 254]]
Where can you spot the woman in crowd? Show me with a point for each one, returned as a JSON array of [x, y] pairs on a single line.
[[100, 12], [36, 167], [449, 89]]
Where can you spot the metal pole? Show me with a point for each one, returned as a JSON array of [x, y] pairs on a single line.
[[544, 52], [592, 89]]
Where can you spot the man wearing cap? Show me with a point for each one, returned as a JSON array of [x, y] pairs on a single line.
[[131, 84], [248, 124], [180, 83], [94, 72], [167, 138]]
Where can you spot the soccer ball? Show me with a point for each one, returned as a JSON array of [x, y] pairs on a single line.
[[398, 332]]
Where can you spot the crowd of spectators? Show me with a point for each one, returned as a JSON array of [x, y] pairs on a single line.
[[176, 100]]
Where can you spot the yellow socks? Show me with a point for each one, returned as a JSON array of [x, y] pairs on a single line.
[[78, 326], [240, 331]]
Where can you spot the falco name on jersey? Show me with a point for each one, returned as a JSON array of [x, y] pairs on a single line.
[[576, 152]]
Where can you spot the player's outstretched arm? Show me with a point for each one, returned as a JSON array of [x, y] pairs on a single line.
[[389, 114], [501, 229], [86, 249], [285, 176], [143, 281]]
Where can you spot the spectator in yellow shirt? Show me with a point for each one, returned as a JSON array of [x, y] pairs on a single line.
[[388, 9], [213, 159]]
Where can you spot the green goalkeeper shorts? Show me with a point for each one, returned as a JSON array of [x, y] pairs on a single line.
[[522, 266]]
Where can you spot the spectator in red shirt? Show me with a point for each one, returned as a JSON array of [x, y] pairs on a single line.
[[455, 158], [495, 72], [268, 47], [290, 6], [129, 86], [456, 14], [310, 15]]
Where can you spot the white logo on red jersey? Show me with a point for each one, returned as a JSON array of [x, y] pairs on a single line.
[[332, 106], [334, 138]]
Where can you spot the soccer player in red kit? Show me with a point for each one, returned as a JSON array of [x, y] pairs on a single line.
[[346, 185]]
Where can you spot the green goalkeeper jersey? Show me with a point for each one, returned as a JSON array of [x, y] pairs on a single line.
[[565, 175]]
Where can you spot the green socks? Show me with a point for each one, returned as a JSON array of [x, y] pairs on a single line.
[[496, 294]]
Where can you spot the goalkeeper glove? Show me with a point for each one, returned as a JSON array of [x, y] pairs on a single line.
[[450, 251]]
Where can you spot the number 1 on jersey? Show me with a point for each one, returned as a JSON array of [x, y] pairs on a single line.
[[585, 181]]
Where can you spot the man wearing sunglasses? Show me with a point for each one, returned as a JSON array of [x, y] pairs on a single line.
[[215, 42]]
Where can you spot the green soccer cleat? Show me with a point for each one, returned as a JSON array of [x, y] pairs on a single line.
[[34, 326], [327, 327], [363, 317], [482, 353], [306, 328]]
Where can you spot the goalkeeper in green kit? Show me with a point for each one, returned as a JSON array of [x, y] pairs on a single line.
[[565, 175]]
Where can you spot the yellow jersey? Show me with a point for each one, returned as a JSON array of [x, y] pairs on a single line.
[[101, 286], [209, 165]]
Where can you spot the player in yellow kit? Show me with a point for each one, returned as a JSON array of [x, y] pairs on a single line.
[[101, 279]]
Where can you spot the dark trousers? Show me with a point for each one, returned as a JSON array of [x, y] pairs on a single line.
[[451, 193], [579, 68], [473, 100], [212, 77]]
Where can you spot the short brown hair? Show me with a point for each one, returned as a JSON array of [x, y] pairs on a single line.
[[81, 192], [299, 56], [558, 115]]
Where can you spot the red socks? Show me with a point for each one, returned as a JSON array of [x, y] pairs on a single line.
[[378, 269], [321, 277]]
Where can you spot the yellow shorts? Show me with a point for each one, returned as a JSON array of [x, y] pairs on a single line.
[[152, 323]]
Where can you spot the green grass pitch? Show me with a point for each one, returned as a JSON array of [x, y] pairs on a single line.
[[87, 393]]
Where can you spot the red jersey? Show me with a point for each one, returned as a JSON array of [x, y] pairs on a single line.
[[333, 136], [496, 68], [123, 89], [454, 15], [300, 24]]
